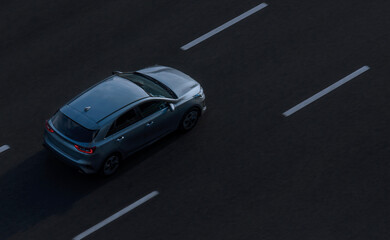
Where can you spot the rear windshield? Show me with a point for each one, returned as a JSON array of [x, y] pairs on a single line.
[[71, 129]]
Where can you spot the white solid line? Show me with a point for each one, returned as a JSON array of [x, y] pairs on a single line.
[[116, 215], [4, 148], [224, 26], [325, 91]]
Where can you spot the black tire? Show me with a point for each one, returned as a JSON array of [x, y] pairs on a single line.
[[189, 120], [110, 165]]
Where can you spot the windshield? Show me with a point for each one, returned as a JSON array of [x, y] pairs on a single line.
[[151, 86], [71, 129]]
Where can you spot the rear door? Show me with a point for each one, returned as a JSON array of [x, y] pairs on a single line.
[[127, 132]]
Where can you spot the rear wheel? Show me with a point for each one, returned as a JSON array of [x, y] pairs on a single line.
[[110, 165], [189, 120]]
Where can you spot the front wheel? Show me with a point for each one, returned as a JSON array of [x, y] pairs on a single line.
[[110, 165], [189, 120]]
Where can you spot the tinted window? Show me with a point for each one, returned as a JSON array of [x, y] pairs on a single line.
[[151, 86], [71, 129], [151, 107], [123, 121]]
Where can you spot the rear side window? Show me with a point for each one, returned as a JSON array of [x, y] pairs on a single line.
[[123, 121], [71, 129]]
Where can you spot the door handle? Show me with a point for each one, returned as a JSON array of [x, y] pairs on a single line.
[[120, 139], [149, 124]]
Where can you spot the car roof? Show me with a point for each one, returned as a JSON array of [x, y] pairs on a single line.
[[106, 98]]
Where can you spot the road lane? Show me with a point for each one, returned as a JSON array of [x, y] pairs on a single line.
[[245, 172]]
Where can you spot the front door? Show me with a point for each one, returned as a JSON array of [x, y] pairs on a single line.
[[157, 119]]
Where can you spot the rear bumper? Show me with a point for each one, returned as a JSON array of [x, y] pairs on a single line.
[[80, 164]]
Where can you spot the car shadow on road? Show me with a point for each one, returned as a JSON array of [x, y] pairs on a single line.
[[42, 186], [38, 188]]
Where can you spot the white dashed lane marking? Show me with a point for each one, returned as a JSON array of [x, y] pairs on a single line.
[[4, 148], [116, 215], [325, 91], [224, 26]]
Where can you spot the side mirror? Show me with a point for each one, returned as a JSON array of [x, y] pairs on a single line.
[[171, 107]]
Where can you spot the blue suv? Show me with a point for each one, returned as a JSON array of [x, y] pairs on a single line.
[[122, 114]]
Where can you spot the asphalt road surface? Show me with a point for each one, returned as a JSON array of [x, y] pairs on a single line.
[[246, 171]]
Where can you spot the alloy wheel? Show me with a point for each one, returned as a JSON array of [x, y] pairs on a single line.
[[111, 165]]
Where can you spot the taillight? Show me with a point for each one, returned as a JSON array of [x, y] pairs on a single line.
[[48, 127], [85, 150]]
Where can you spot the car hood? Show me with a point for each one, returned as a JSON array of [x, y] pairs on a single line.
[[179, 82]]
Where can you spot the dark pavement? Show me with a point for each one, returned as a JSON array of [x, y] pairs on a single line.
[[246, 171]]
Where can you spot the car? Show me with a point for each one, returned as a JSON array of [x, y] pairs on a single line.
[[122, 114]]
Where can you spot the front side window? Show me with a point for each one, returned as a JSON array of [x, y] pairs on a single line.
[[124, 121], [148, 108], [71, 129]]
